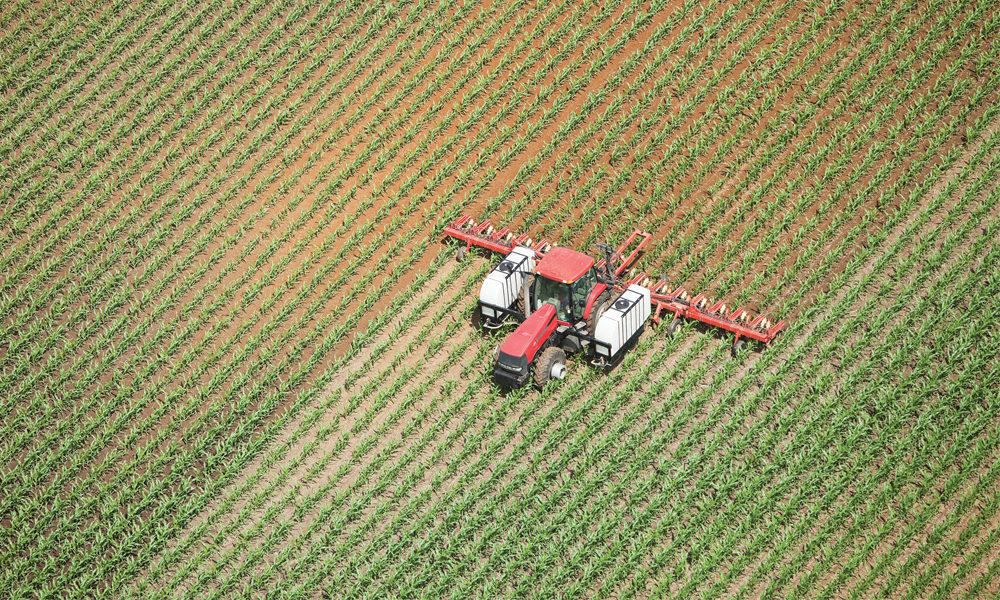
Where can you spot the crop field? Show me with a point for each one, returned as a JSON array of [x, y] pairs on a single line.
[[238, 358]]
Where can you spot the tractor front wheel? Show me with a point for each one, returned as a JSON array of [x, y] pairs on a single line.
[[551, 364]]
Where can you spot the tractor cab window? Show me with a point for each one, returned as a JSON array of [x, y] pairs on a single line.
[[581, 289], [555, 293]]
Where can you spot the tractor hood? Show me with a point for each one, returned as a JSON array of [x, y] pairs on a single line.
[[532, 334]]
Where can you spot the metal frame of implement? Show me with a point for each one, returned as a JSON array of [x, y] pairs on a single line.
[[677, 302]]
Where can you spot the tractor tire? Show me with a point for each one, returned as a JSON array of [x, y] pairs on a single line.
[[674, 326], [550, 364], [601, 304]]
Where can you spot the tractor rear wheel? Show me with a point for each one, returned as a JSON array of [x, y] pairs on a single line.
[[601, 304], [551, 364]]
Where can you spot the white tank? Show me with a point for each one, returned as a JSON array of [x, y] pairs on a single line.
[[622, 322], [504, 281]]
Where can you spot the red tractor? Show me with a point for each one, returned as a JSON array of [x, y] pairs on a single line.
[[566, 301]]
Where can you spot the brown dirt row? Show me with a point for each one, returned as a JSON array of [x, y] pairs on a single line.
[[273, 209], [833, 369]]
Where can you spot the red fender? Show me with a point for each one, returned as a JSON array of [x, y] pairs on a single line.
[[594, 293]]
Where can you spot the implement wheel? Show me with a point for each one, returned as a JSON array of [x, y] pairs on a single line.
[[551, 364], [674, 326], [738, 346]]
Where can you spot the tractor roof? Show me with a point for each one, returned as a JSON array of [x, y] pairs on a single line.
[[563, 264]]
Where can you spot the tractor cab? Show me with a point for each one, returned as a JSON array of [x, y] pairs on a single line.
[[565, 279]]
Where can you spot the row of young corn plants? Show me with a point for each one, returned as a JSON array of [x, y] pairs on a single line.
[[568, 213], [939, 92], [108, 239], [834, 520], [373, 329], [167, 279], [387, 457], [663, 131], [612, 112], [232, 425], [54, 125], [749, 98], [142, 231], [882, 499], [907, 236], [972, 559], [145, 151], [677, 116], [814, 158], [980, 588], [26, 22], [528, 200], [330, 425], [73, 128], [63, 55]]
